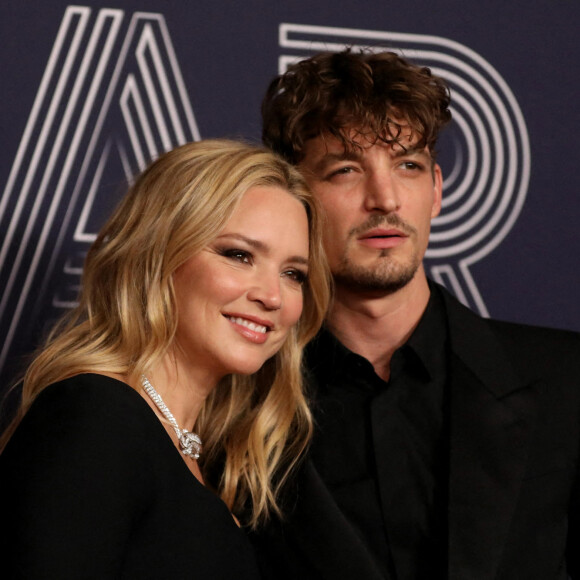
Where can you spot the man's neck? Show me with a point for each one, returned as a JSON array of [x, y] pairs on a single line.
[[375, 326]]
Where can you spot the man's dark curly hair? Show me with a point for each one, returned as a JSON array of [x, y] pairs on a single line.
[[333, 93]]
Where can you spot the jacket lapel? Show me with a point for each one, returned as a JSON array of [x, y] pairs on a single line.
[[324, 537], [491, 415]]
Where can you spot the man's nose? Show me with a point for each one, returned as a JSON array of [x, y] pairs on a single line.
[[381, 193]]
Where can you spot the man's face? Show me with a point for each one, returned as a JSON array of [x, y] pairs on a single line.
[[379, 203]]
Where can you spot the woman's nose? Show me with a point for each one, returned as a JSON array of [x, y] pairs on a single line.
[[267, 291]]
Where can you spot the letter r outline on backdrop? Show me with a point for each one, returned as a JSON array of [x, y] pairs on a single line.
[[486, 187]]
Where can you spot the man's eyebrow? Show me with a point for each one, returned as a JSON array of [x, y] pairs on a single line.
[[354, 155], [330, 158], [411, 150], [259, 245]]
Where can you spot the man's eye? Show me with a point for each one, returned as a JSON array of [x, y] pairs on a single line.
[[341, 171], [238, 255], [297, 276], [411, 166]]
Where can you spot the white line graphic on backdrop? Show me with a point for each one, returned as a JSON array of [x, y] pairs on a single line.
[[485, 189], [97, 70]]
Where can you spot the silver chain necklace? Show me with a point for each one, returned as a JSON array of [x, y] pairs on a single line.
[[189, 442]]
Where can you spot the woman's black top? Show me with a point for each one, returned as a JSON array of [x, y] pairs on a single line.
[[92, 486]]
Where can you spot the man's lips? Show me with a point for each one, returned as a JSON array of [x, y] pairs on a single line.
[[382, 238]]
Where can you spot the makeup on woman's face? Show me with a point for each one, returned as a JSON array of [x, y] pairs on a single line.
[[239, 297]]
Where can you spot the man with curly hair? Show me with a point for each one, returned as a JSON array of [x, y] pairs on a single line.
[[446, 445]]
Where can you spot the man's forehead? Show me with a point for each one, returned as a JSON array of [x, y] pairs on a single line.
[[356, 142]]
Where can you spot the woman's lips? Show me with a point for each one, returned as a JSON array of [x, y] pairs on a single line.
[[254, 330]]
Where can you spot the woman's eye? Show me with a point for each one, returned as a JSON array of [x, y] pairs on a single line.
[[238, 255], [297, 276]]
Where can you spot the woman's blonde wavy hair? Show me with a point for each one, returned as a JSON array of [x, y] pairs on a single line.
[[254, 427]]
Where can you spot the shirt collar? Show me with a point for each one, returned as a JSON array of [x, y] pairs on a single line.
[[427, 344], [428, 341]]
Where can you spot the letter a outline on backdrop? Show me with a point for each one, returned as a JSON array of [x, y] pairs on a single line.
[[112, 98]]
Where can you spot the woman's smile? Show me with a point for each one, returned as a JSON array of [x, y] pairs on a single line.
[[250, 277]]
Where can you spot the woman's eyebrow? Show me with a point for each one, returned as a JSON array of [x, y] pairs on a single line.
[[250, 241], [259, 245]]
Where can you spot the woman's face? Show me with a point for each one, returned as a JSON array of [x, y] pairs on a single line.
[[238, 298]]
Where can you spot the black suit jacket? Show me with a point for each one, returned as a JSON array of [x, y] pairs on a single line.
[[513, 476]]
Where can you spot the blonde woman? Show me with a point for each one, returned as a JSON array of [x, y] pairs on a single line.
[[171, 399]]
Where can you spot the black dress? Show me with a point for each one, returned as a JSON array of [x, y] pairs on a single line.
[[91, 486]]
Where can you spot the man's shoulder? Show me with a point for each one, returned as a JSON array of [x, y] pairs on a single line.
[[456, 311], [533, 349], [533, 334]]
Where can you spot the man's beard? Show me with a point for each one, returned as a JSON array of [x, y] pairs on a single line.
[[385, 276]]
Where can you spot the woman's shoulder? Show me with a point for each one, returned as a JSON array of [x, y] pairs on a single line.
[[86, 411], [75, 475], [97, 392], [93, 398]]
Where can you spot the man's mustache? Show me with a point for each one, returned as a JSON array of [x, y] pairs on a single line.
[[378, 220]]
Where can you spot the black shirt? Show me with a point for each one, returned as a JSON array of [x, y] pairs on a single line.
[[381, 449]]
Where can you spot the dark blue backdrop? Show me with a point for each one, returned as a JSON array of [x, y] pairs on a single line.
[[88, 96]]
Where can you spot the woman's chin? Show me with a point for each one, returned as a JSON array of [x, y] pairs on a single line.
[[249, 367]]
